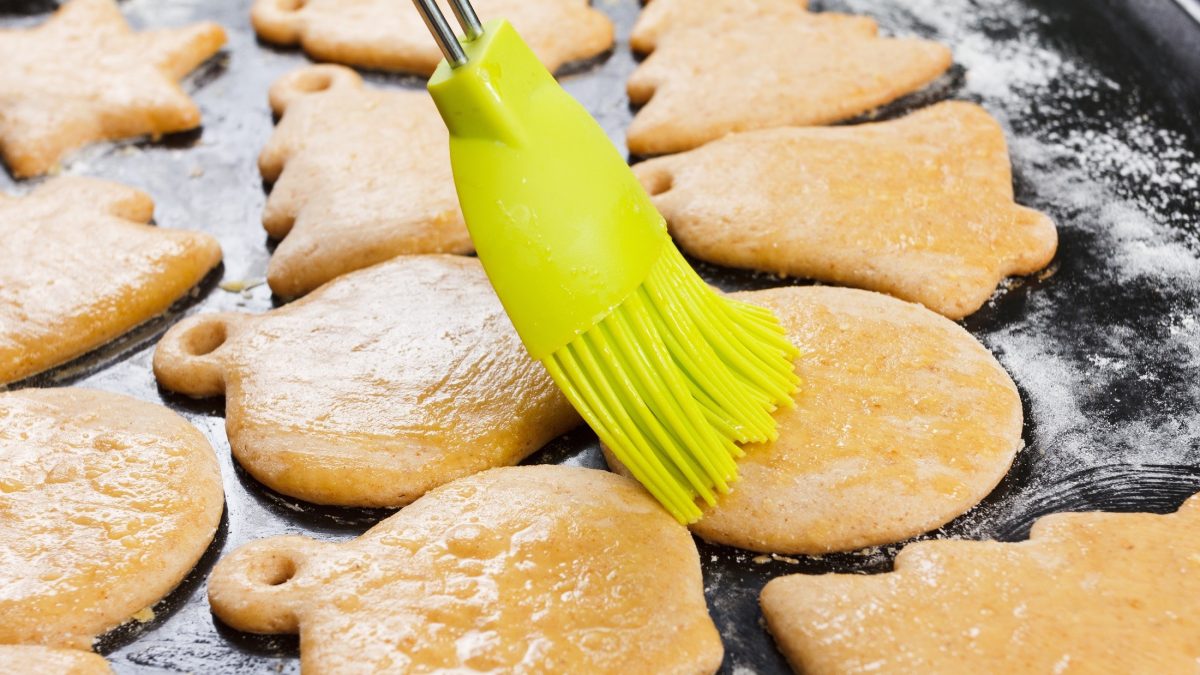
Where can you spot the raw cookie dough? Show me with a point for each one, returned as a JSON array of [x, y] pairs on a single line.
[[1088, 593], [657, 17], [84, 76], [79, 267], [361, 175], [28, 659], [376, 388], [904, 422], [722, 72], [390, 34], [546, 569], [106, 503], [920, 207]]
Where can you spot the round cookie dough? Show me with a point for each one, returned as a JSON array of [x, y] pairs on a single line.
[[22, 659], [904, 422], [106, 503]]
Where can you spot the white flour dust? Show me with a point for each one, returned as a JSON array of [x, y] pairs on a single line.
[[1103, 389]]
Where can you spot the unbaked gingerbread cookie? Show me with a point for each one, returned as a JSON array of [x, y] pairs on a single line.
[[1088, 593], [920, 207], [33, 659], [390, 34], [106, 503], [84, 76], [657, 17], [361, 175], [545, 569], [904, 422], [726, 71], [79, 266], [374, 389]]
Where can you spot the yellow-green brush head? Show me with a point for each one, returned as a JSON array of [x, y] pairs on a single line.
[[670, 374]]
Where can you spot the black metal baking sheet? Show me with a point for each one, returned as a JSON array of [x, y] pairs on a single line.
[[1100, 99]]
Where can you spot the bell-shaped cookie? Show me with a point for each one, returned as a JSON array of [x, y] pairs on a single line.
[[920, 207]]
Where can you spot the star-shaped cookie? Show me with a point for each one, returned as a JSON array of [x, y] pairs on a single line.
[[1088, 593], [360, 176], [80, 266], [390, 34], [85, 76], [920, 207], [776, 65]]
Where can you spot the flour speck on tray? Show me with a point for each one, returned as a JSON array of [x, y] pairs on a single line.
[[1114, 410]]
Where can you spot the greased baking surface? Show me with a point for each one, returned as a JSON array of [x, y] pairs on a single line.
[[1092, 145]]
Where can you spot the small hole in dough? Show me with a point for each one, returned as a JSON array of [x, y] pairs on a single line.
[[205, 339], [311, 83], [276, 571], [660, 183]]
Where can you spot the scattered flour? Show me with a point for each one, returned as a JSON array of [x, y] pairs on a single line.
[[1107, 352]]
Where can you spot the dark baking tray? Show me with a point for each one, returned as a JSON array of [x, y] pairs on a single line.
[[1099, 98]]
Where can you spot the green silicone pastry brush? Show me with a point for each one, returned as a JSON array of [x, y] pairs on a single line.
[[670, 374]]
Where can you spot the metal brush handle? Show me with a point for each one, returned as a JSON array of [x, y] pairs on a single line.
[[444, 34], [468, 19]]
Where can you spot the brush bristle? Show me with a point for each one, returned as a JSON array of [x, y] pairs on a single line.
[[675, 378]]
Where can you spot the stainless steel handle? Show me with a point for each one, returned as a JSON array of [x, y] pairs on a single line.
[[467, 18], [442, 33]]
